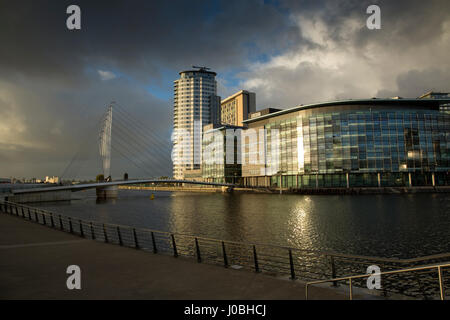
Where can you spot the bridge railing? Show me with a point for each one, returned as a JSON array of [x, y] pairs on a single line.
[[306, 265]]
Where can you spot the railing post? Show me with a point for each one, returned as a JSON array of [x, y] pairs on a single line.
[[225, 258], [255, 259], [155, 250], [61, 226], [291, 262], [92, 232], [119, 235], [197, 247], [29, 214], [81, 228], [136, 243], [441, 284], [23, 214], [70, 225], [306, 291], [51, 220], [17, 211], [36, 216], [351, 288], [333, 270], [174, 245], [105, 234], [43, 219]]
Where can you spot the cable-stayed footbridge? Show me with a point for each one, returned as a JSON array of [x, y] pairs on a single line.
[[137, 146]]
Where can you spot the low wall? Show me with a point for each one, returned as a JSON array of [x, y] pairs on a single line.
[[63, 195]]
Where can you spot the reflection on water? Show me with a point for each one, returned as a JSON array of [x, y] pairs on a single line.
[[377, 225]]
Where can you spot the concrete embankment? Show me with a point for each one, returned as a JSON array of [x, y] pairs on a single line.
[[34, 260]]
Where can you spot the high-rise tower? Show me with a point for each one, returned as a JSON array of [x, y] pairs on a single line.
[[195, 104]]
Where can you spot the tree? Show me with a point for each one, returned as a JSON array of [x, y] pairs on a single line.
[[125, 176]]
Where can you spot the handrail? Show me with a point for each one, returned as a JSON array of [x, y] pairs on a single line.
[[350, 278], [258, 257], [250, 244]]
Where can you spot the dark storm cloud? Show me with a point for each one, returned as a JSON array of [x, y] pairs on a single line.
[[51, 78], [55, 83], [135, 37]]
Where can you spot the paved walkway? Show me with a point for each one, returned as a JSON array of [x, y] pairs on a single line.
[[34, 259]]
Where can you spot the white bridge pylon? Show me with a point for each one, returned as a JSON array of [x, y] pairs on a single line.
[[105, 143]]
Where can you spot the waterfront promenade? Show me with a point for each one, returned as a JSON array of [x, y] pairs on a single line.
[[34, 258]]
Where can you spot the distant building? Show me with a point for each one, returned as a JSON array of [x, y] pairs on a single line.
[[5, 180], [53, 179], [195, 104], [263, 112], [435, 95], [438, 95], [237, 107]]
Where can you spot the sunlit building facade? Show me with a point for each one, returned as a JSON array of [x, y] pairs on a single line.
[[355, 143], [220, 142], [195, 104], [237, 107]]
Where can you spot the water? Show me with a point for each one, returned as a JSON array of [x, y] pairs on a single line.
[[402, 226]]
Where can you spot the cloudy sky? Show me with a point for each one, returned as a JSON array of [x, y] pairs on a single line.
[[56, 83]]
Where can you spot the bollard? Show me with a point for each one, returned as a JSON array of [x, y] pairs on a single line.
[[154, 244], [92, 232], [105, 234], [199, 258], [255, 258], [136, 243], [174, 245], [81, 228], [291, 262], [225, 258], [119, 236]]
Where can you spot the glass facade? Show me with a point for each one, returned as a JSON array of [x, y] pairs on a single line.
[[215, 167], [359, 147]]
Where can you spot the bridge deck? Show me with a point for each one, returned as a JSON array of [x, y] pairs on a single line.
[[79, 187]]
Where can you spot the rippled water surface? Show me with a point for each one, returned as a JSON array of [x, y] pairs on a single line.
[[376, 225]]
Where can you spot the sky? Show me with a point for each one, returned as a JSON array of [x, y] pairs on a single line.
[[56, 83]]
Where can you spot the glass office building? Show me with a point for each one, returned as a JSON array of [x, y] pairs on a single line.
[[355, 143], [215, 165]]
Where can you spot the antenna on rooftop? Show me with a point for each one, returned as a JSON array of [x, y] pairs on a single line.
[[201, 68]]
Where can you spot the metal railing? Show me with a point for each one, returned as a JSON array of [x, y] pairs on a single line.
[[296, 263], [350, 278]]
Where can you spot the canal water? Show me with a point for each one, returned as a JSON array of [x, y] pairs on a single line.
[[402, 226]]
